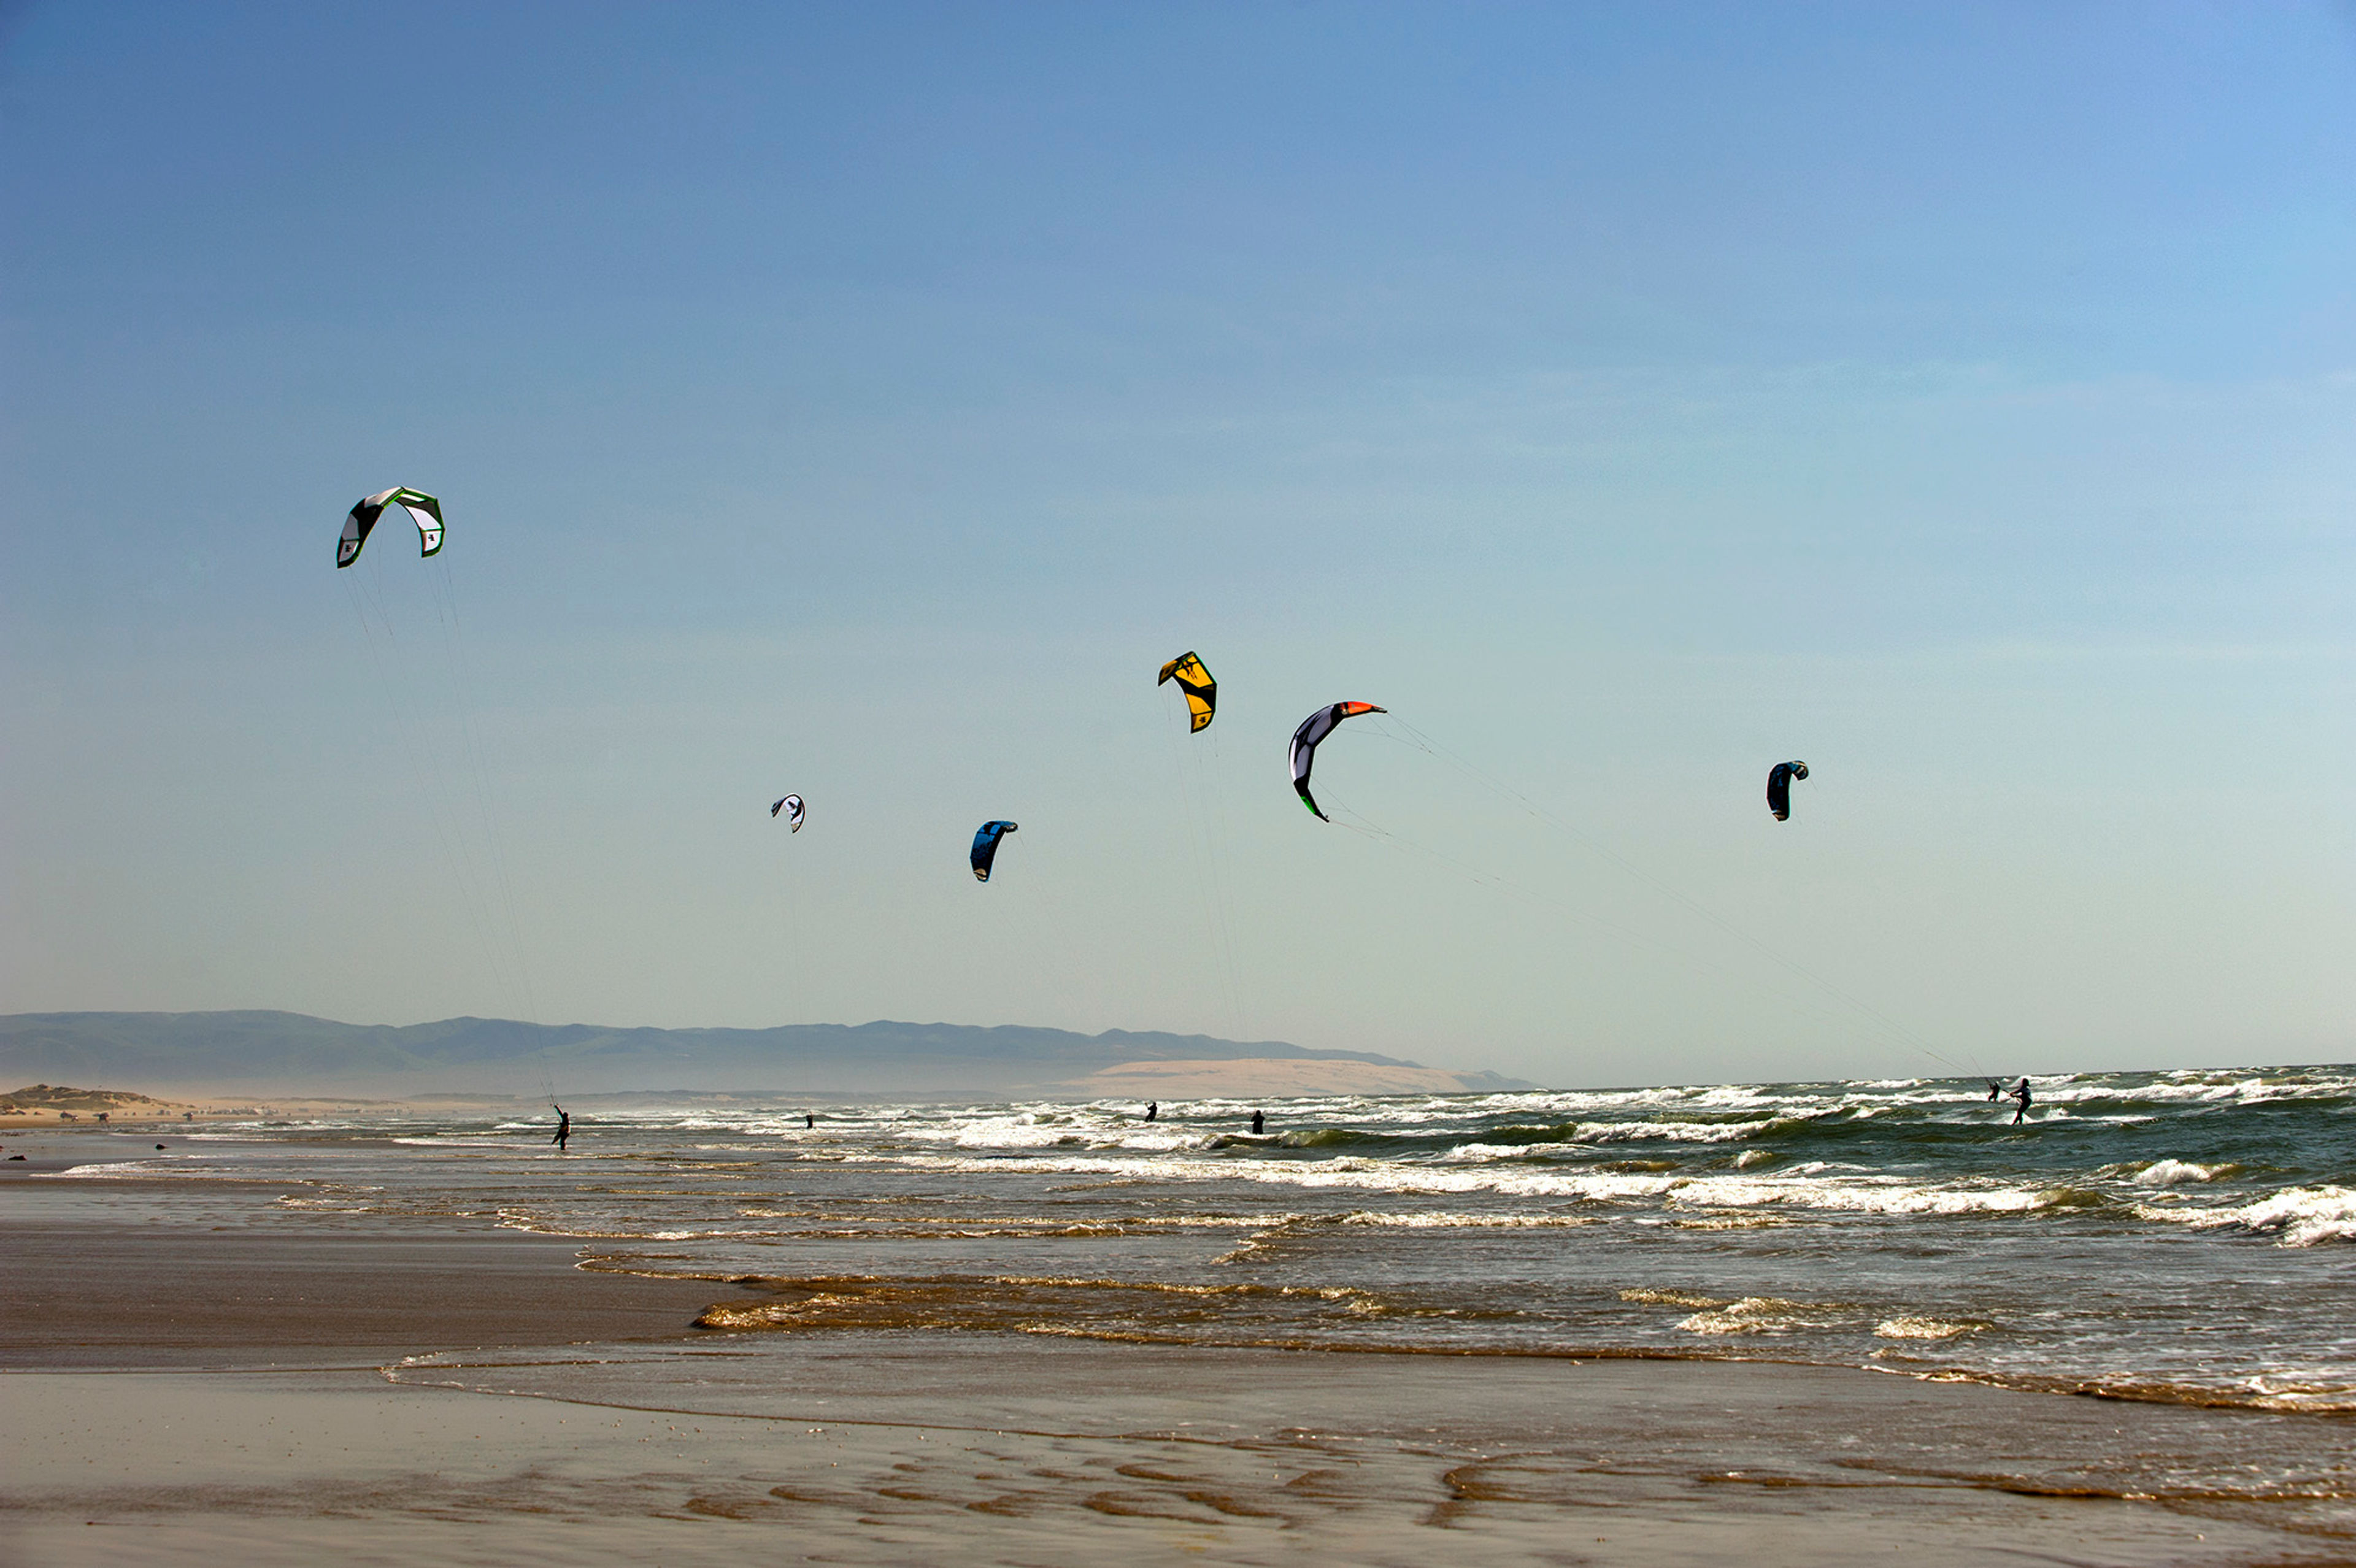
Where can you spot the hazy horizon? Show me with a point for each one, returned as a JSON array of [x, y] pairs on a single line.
[[864, 402]]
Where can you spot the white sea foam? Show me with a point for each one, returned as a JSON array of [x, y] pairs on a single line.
[[1879, 1196], [1681, 1132], [2168, 1172], [2301, 1391], [1021, 1132], [1883, 1195], [1762, 1315], [1466, 1221], [2302, 1216], [2196, 1088], [1908, 1326], [1477, 1154], [1647, 1295], [1155, 1137]]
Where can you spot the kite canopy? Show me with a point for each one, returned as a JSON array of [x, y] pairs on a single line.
[[1202, 691], [1305, 739], [792, 806], [985, 847], [365, 512], [1779, 787]]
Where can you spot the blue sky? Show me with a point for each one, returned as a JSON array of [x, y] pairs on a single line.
[[864, 401]]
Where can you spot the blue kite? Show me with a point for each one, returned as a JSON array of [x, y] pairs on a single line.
[[985, 847]]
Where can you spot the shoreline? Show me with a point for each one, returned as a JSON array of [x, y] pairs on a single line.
[[458, 1392]]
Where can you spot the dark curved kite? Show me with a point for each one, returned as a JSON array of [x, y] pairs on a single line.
[[1305, 741], [792, 806], [985, 847], [1779, 787]]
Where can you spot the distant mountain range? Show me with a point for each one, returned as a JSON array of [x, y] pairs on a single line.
[[290, 1053]]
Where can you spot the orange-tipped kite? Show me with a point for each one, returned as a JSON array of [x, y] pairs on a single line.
[[1315, 729]]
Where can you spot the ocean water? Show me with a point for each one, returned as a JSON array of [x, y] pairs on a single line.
[[2183, 1237]]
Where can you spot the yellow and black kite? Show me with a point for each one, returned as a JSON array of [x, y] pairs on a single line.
[[1202, 691]]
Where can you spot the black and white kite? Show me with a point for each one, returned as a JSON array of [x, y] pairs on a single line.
[[1779, 787], [424, 509]]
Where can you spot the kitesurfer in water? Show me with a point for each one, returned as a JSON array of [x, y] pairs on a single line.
[[1259, 1122], [1995, 1088], [1152, 1109], [564, 1126], [2021, 1094], [809, 1119]]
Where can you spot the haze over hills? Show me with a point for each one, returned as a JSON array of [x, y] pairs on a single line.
[[291, 1054]]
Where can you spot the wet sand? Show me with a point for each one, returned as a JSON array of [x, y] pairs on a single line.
[[561, 1414], [82, 1295], [133, 1467]]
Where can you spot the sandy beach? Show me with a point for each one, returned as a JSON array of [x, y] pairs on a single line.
[[281, 1390]]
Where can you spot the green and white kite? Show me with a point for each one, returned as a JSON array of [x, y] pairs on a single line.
[[418, 505]]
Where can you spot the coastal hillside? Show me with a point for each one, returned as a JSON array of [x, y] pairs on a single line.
[[37, 1103], [278, 1052]]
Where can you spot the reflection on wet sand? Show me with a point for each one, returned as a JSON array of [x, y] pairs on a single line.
[[945, 1448]]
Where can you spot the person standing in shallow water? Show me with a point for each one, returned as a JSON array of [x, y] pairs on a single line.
[[1152, 1109], [2021, 1094], [563, 1126], [1260, 1123]]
